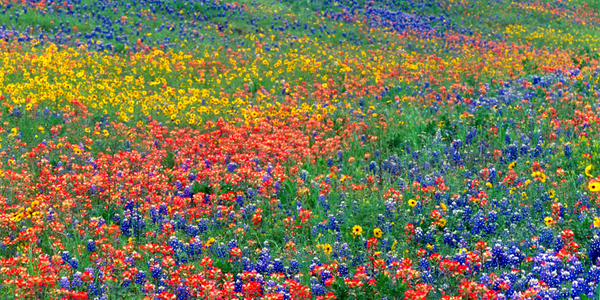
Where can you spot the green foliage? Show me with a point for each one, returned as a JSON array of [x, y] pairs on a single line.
[[169, 160]]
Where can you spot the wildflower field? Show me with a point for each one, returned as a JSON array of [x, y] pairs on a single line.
[[299, 149]]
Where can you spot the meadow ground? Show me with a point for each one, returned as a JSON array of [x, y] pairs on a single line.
[[311, 149]]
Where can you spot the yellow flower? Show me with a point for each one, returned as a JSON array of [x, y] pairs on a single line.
[[596, 222], [594, 186], [412, 203], [549, 221], [356, 230], [443, 205], [327, 248], [442, 222], [394, 244], [512, 164], [209, 242], [18, 217], [543, 177], [539, 175], [377, 232], [587, 170]]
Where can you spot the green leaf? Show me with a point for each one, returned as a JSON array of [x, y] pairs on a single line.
[[169, 160]]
